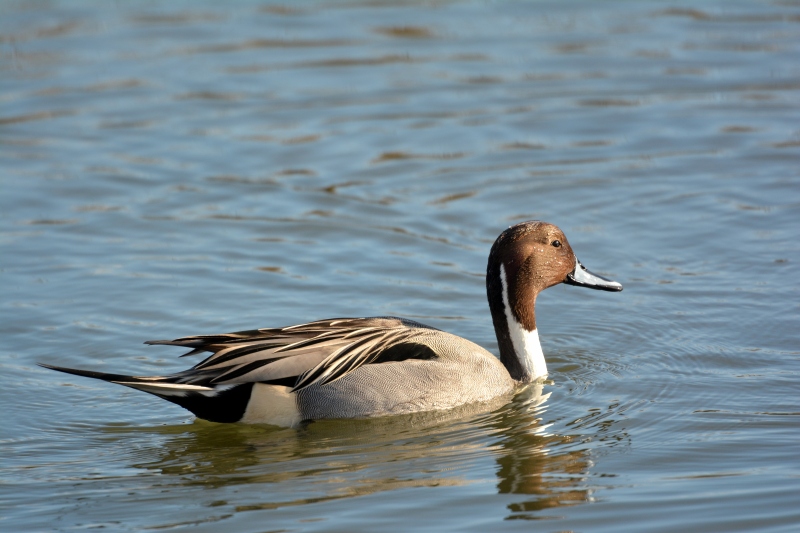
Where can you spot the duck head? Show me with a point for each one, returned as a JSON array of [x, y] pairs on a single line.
[[526, 259]]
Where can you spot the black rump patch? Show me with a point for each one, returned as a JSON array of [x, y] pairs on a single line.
[[226, 406]]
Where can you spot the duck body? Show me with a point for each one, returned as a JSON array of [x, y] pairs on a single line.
[[379, 366], [454, 371]]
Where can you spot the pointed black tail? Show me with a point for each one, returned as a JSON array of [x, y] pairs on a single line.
[[217, 404]]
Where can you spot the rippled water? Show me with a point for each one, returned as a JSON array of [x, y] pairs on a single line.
[[182, 168]]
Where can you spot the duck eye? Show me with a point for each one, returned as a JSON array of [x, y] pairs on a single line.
[[556, 243]]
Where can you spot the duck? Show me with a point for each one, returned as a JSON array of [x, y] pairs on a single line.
[[375, 366]]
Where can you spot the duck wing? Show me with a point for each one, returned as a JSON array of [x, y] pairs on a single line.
[[219, 387], [299, 356]]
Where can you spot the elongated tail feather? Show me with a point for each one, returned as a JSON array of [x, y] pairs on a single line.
[[226, 403]]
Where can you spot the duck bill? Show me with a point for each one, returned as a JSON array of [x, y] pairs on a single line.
[[583, 278]]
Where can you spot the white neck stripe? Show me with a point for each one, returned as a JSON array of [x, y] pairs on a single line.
[[526, 343]]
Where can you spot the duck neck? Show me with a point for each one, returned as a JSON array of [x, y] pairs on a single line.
[[514, 317]]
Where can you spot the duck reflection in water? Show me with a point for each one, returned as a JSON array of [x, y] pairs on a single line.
[[339, 459]]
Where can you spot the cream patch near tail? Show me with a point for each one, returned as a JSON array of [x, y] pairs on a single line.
[[272, 404]]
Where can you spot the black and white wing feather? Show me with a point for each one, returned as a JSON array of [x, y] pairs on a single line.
[[298, 356]]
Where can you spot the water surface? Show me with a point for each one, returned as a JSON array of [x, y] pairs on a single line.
[[181, 168]]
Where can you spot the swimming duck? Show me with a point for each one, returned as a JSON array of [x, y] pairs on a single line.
[[367, 367]]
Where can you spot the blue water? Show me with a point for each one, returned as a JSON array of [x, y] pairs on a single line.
[[182, 168]]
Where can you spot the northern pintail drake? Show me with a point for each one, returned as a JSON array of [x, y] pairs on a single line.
[[368, 367]]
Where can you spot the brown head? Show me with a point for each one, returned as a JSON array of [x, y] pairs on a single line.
[[526, 259]]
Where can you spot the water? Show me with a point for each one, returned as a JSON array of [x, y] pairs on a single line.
[[181, 168]]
